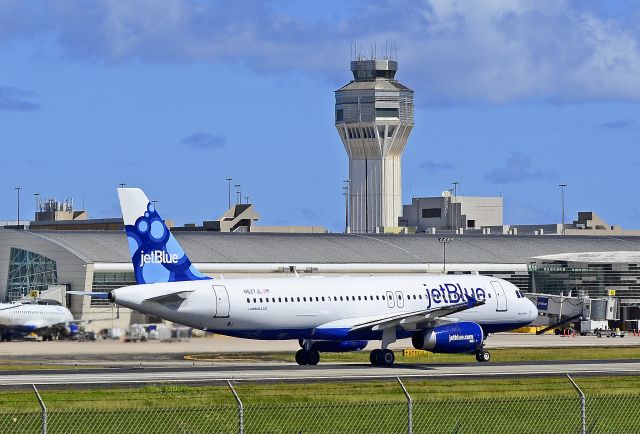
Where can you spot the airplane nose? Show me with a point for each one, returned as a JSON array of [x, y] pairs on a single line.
[[533, 311]]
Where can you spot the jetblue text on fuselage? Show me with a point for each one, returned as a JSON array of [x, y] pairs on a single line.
[[158, 257], [450, 293], [456, 338]]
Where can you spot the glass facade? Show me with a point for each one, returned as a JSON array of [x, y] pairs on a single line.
[[595, 280], [108, 281], [29, 271]]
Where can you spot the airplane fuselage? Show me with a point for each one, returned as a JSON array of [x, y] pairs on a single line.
[[320, 307], [32, 317]]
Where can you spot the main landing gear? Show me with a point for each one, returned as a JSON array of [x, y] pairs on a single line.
[[307, 357], [483, 355], [382, 357]]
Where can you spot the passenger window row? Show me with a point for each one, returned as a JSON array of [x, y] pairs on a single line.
[[329, 298]]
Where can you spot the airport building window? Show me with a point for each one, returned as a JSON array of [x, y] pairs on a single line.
[[430, 213], [27, 271], [339, 115], [103, 282]]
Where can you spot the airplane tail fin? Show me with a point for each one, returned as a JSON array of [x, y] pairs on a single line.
[[155, 253]]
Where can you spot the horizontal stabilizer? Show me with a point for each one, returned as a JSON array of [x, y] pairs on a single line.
[[92, 294]]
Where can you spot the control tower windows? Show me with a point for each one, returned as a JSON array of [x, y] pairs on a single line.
[[387, 113], [339, 115], [385, 74]]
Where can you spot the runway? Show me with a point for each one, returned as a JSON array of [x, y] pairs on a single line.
[[275, 372]]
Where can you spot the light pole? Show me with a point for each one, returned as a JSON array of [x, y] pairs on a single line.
[[238, 193], [455, 200], [155, 205], [345, 192], [17, 189], [246, 200], [444, 241], [122, 185], [229, 191], [562, 186], [346, 189], [37, 196]]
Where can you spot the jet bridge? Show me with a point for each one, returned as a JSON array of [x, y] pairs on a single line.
[[556, 311]]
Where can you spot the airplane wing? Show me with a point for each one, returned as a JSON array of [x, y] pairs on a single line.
[[417, 319], [9, 306]]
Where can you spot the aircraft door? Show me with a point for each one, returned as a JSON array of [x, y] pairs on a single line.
[[390, 301], [400, 298], [222, 301], [501, 298]]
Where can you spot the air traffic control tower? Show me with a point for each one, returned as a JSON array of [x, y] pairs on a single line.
[[374, 117]]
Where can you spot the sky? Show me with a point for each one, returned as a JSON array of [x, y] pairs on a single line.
[[511, 98]]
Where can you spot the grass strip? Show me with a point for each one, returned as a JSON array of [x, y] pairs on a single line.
[[498, 354]]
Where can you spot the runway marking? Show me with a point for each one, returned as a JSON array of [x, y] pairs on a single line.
[[341, 372]]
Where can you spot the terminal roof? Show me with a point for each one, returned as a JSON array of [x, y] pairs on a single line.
[[217, 247]]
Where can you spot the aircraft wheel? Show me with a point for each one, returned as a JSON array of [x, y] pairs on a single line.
[[301, 357], [313, 357], [483, 356], [387, 358], [374, 357]]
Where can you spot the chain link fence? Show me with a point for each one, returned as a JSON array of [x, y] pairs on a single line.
[[397, 412]]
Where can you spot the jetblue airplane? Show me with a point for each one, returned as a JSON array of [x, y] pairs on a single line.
[[43, 317], [445, 314]]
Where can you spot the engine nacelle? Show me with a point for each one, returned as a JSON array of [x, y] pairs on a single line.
[[462, 337], [339, 346]]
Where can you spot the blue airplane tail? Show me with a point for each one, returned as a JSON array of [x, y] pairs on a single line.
[[155, 253]]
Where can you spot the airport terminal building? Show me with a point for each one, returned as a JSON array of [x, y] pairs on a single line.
[[99, 260]]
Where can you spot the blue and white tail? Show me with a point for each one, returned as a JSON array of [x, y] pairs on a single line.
[[155, 253]]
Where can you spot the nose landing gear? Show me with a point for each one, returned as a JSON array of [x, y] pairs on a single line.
[[483, 355]]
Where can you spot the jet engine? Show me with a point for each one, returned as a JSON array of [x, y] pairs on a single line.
[[461, 337]]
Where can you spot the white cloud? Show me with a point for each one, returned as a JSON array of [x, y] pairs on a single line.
[[492, 51]]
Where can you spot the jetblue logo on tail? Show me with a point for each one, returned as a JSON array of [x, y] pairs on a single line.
[[158, 257], [155, 253]]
